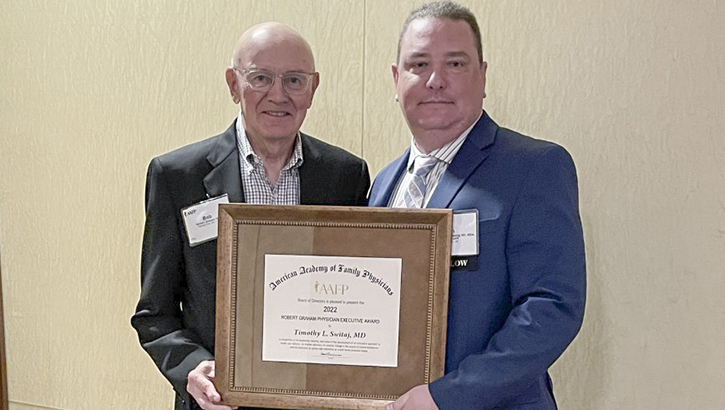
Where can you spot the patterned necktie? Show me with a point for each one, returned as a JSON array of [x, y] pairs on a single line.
[[415, 192]]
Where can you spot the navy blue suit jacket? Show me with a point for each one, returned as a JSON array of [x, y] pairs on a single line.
[[512, 317]]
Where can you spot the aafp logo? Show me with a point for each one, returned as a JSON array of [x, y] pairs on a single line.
[[330, 288]]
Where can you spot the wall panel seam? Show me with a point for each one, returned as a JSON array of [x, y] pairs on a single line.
[[364, 74]]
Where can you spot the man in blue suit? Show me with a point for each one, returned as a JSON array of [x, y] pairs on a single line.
[[517, 299]]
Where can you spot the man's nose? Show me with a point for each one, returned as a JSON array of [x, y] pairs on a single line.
[[436, 80], [277, 91]]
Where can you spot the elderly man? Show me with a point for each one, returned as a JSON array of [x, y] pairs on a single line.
[[517, 292], [262, 158]]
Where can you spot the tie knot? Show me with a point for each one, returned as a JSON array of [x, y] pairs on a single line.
[[422, 164]]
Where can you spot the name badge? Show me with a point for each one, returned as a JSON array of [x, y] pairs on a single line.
[[465, 233], [201, 219], [464, 246]]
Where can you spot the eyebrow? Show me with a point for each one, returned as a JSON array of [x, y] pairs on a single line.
[[447, 55], [457, 54], [297, 70], [417, 55]]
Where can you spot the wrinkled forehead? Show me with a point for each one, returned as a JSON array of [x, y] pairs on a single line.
[[279, 52]]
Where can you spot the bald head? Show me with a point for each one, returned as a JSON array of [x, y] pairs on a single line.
[[266, 37], [273, 108]]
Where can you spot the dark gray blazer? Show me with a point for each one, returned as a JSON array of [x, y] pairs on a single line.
[[175, 314]]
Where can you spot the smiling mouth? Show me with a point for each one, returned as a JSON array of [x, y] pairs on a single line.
[[277, 114]]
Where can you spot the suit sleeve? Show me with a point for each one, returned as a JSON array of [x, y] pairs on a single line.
[[545, 261], [158, 319]]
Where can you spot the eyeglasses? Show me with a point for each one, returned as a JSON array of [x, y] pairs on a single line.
[[262, 80]]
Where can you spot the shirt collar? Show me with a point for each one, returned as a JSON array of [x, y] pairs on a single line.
[[445, 153], [250, 158]]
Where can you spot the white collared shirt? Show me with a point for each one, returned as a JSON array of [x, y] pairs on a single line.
[[444, 154], [255, 183]]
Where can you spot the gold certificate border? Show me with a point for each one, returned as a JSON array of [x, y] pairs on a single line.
[[388, 227]]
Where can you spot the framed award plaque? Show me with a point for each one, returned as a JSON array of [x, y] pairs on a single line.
[[321, 307]]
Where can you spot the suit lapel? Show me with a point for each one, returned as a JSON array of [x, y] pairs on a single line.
[[224, 178], [388, 180], [471, 155], [312, 176]]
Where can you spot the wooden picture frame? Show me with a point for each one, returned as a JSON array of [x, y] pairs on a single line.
[[420, 238], [4, 399]]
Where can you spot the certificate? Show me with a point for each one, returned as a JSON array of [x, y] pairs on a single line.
[[321, 307], [331, 310]]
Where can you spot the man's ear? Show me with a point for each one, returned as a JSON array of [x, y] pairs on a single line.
[[315, 84], [394, 68], [484, 66], [233, 85]]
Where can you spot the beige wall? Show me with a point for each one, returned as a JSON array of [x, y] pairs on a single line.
[[91, 90]]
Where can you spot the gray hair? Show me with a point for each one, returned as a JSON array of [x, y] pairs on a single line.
[[445, 9]]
